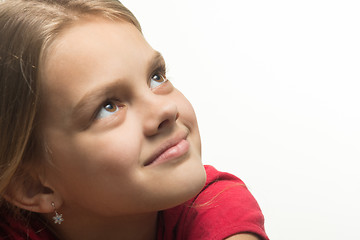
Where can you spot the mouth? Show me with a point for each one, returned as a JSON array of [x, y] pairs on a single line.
[[170, 150]]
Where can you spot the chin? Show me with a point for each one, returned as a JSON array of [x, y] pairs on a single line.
[[190, 179]]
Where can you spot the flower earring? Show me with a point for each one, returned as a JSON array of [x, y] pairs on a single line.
[[58, 219]]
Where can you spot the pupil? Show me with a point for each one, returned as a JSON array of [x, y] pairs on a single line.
[[110, 107], [156, 77]]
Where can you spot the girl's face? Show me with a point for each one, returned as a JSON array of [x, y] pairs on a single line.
[[121, 138]]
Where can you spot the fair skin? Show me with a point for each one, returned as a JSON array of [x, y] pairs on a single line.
[[118, 114], [243, 236], [122, 142]]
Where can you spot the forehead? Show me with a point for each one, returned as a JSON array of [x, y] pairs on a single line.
[[97, 41], [91, 52]]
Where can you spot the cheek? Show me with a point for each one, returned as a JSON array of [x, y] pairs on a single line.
[[91, 170], [84, 158], [109, 150], [188, 118], [187, 113]]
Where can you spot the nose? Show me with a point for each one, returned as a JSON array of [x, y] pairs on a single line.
[[160, 114]]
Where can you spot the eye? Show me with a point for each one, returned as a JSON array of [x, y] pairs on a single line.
[[107, 109], [156, 80]]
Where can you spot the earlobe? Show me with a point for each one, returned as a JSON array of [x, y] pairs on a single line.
[[29, 193]]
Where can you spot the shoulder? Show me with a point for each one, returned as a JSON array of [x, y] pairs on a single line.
[[19, 229], [223, 208]]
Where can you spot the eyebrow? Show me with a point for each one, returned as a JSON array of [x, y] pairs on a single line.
[[85, 104], [156, 61]]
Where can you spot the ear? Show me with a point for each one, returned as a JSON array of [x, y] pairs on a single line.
[[30, 192]]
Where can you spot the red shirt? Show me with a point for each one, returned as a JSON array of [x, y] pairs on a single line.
[[224, 207]]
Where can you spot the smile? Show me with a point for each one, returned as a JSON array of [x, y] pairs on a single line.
[[171, 150]]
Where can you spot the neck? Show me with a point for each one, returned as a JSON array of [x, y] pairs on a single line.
[[134, 227]]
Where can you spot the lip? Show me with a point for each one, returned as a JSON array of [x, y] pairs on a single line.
[[171, 149]]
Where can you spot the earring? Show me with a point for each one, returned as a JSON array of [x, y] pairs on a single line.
[[58, 217]]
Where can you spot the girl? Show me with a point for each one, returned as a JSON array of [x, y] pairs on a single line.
[[96, 143]]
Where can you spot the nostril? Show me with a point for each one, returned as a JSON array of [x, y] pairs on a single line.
[[168, 121], [164, 123]]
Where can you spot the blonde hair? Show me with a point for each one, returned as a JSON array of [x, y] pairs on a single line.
[[27, 28]]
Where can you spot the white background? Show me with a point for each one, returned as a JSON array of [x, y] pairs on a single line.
[[275, 85]]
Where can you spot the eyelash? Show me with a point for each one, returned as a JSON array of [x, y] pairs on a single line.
[[103, 104], [161, 70]]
